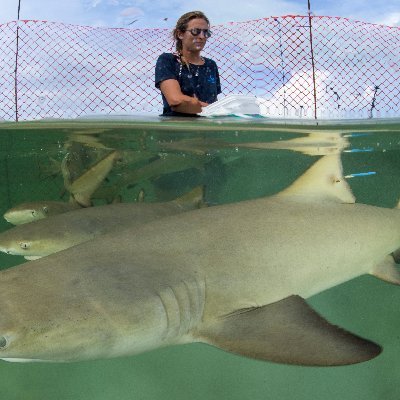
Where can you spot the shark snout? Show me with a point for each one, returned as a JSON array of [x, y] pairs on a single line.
[[7, 250], [15, 248]]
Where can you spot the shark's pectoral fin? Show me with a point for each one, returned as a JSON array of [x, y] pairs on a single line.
[[387, 270], [290, 332]]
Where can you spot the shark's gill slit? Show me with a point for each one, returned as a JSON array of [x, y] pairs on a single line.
[[166, 315]]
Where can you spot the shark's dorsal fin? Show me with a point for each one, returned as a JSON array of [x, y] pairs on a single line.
[[288, 332], [322, 181]]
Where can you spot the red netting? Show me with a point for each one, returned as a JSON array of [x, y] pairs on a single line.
[[335, 69]]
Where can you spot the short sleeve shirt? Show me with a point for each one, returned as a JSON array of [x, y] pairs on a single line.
[[201, 81]]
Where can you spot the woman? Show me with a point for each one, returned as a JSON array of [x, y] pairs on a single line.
[[187, 80]]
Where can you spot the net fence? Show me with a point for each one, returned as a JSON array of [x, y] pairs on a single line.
[[297, 66]]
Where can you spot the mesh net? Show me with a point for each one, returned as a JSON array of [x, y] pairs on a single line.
[[324, 67]]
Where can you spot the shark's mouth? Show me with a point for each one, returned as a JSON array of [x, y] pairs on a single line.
[[23, 360]]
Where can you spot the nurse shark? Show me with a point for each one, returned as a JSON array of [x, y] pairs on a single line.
[[46, 236], [234, 276]]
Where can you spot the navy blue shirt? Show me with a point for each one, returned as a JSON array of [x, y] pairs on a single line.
[[201, 81]]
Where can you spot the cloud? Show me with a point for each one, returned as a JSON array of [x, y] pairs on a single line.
[[391, 19], [152, 14], [385, 12], [131, 12]]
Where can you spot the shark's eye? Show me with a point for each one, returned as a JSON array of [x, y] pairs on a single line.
[[3, 342], [24, 245]]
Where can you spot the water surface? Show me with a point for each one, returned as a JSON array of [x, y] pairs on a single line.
[[235, 160]]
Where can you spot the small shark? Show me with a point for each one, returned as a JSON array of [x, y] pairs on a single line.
[[314, 144], [233, 276], [82, 188], [46, 236], [36, 210]]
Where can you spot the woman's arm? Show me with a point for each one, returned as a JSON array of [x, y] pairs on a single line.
[[177, 100]]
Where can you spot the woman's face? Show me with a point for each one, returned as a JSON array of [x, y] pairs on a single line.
[[190, 42]]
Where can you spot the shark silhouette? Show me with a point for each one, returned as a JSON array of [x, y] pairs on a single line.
[[233, 276], [45, 236]]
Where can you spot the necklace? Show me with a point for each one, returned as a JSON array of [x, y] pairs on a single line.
[[190, 75], [181, 62], [196, 72]]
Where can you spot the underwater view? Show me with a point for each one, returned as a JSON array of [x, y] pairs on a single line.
[[50, 168]]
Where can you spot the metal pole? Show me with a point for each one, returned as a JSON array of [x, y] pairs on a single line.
[[16, 65], [312, 58]]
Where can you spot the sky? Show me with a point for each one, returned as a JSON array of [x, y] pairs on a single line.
[[164, 13]]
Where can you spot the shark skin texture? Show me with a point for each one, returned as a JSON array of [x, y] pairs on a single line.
[[234, 276]]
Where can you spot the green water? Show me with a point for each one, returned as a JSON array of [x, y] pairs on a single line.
[[210, 153]]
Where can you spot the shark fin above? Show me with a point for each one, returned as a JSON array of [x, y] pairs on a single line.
[[289, 332], [388, 270], [322, 181]]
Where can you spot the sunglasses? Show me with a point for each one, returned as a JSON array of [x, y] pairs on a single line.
[[197, 31]]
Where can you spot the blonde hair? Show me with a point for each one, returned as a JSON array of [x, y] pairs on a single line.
[[181, 26]]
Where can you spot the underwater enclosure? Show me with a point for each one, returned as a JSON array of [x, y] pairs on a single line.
[[158, 160]]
